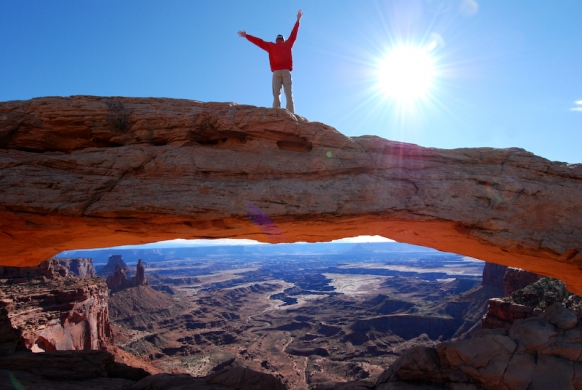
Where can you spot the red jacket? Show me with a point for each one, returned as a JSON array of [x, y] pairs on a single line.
[[280, 55]]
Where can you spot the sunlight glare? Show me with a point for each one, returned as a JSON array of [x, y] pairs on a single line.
[[406, 73]]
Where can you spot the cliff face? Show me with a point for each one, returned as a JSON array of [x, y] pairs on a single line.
[[61, 313], [516, 279], [91, 172], [494, 276], [50, 269], [81, 268]]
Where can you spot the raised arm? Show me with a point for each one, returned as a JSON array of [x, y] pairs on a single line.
[[293, 35], [257, 41]]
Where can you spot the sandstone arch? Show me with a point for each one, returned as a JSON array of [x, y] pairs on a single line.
[[85, 171]]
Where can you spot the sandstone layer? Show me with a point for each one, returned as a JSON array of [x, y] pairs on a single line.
[[84, 172]]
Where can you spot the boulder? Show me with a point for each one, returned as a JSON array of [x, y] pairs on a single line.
[[560, 317], [502, 313], [534, 354]]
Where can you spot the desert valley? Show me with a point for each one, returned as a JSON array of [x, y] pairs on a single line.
[[311, 314]]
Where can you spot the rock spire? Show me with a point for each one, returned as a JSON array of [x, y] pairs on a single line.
[[119, 280]]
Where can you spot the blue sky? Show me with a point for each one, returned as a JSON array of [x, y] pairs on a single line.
[[508, 72]]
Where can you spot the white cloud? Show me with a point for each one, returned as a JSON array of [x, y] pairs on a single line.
[[191, 243], [469, 7], [578, 102], [364, 239]]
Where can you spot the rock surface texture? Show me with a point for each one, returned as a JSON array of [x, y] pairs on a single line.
[[83, 172], [543, 352], [61, 313]]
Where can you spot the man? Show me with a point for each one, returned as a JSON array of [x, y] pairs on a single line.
[[281, 60]]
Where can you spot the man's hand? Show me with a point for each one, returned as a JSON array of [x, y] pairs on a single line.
[[299, 15], [242, 33]]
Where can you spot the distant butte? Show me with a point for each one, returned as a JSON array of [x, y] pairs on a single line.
[[84, 172]]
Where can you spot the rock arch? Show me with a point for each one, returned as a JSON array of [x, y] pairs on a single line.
[[84, 171]]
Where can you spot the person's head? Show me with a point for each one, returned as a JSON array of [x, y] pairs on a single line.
[[280, 38]]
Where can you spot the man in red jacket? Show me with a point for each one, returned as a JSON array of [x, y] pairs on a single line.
[[281, 60]]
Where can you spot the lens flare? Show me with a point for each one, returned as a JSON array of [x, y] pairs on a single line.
[[263, 222], [15, 382]]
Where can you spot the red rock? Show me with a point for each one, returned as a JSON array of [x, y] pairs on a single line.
[[50, 269], [57, 314], [503, 313], [81, 268], [86, 171], [118, 280], [140, 278]]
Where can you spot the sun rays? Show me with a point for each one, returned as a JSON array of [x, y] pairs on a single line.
[[406, 73]]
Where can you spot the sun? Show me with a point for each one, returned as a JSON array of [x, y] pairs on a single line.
[[406, 73]]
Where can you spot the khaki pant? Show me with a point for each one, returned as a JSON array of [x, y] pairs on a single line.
[[282, 78]]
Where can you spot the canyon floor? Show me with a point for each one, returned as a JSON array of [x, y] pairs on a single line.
[[311, 320]]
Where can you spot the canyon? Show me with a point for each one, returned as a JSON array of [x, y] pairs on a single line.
[[264, 327], [86, 172], [312, 315]]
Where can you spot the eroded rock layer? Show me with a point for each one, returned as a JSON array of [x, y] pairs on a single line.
[[63, 313], [84, 172]]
